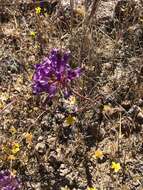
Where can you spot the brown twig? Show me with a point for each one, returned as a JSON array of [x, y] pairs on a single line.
[[8, 105], [93, 10]]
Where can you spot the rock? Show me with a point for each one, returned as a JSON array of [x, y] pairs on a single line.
[[140, 102], [139, 118], [41, 147], [40, 138]]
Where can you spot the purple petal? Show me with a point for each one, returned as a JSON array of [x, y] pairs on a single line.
[[54, 70], [66, 56], [72, 74], [52, 90]]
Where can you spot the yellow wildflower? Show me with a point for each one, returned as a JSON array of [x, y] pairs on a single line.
[[98, 154], [37, 46], [38, 10], [33, 34], [65, 188], [70, 120], [116, 166], [15, 148], [91, 188]]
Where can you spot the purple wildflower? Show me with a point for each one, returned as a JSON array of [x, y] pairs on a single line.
[[8, 181], [54, 73]]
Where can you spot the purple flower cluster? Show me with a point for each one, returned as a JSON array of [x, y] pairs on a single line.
[[8, 181], [54, 73]]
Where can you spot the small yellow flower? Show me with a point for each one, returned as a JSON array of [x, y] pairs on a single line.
[[91, 188], [33, 34], [98, 154], [65, 188], [70, 120], [15, 148], [37, 46], [116, 166], [38, 10]]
